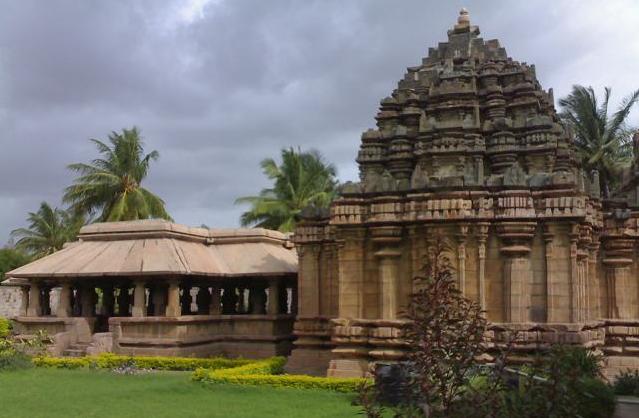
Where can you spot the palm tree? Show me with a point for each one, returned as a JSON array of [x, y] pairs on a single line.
[[603, 141], [303, 179], [111, 186], [49, 228]]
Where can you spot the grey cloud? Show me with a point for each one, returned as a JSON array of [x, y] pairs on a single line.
[[220, 93]]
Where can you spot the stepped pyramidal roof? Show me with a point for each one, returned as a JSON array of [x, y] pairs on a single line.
[[468, 117]]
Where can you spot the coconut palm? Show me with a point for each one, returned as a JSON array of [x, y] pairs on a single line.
[[111, 186], [303, 179], [603, 140], [49, 228]]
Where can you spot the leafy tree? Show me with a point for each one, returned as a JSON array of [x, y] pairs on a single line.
[[111, 185], [603, 140], [11, 258], [303, 179], [49, 228]]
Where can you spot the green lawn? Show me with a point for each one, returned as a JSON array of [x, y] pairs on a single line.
[[55, 393]]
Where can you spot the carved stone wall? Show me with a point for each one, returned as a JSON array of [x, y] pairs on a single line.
[[9, 302]]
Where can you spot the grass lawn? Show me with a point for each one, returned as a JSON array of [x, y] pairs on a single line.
[[55, 393]]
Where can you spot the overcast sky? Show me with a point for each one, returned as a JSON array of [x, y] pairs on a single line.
[[218, 85]]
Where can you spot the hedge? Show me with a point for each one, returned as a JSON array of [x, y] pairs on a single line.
[[110, 361], [5, 327], [269, 372]]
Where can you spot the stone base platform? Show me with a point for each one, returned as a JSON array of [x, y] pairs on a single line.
[[312, 349], [252, 336]]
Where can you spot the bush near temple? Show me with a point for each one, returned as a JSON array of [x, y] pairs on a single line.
[[12, 355], [5, 327], [443, 378], [627, 383], [269, 373], [111, 361]]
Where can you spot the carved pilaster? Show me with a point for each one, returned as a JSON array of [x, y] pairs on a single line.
[[461, 257], [482, 236], [593, 279], [351, 263], [575, 301], [516, 240], [309, 279], [388, 239], [617, 262]]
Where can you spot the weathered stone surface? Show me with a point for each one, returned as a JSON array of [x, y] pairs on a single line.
[[469, 147], [9, 301]]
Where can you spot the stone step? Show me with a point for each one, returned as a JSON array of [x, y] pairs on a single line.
[[79, 345], [70, 352]]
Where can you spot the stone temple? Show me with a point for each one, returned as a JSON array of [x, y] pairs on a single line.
[[469, 146]]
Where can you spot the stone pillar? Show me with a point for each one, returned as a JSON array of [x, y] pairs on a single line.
[[482, 236], [185, 299], [203, 300], [45, 303], [173, 304], [64, 304], [87, 301], [215, 308], [159, 296], [34, 299], [229, 301], [108, 301], [24, 300], [124, 301], [273, 297], [295, 301], [77, 304], [257, 300], [139, 296], [388, 238], [283, 299], [516, 247], [242, 307]]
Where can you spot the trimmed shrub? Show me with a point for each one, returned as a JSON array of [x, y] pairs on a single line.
[[111, 361], [273, 365], [269, 372], [627, 383], [289, 381]]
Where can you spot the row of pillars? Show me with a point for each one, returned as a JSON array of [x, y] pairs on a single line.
[[167, 298]]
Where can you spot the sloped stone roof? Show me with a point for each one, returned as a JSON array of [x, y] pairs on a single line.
[[162, 248]]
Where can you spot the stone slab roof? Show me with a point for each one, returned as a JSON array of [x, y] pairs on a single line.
[[162, 248]]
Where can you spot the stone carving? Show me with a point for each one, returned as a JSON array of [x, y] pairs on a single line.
[[515, 175], [419, 179]]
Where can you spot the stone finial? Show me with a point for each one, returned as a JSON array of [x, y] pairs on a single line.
[[464, 17]]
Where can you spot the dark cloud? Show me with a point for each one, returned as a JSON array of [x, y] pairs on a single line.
[[216, 89]]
